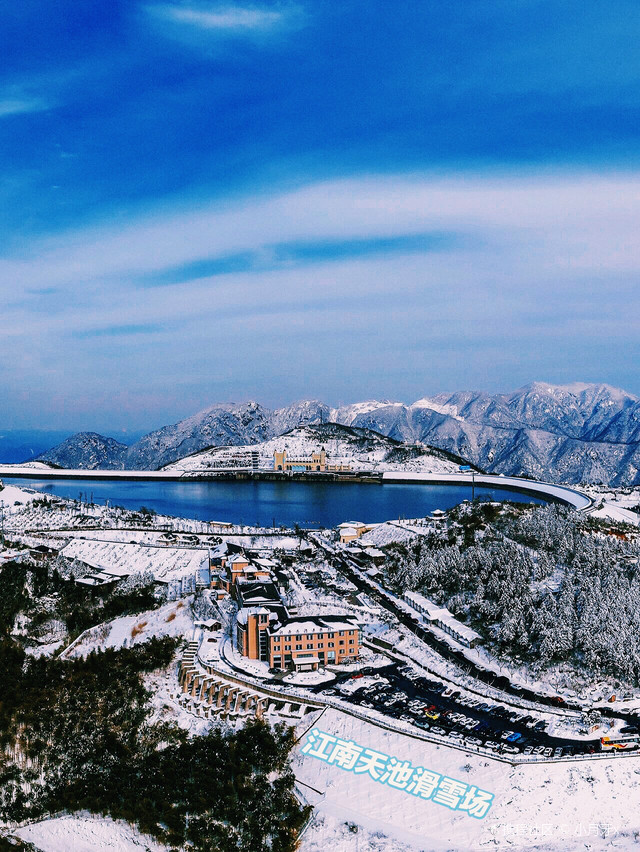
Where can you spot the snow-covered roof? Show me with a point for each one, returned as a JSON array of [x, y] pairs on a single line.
[[315, 624], [244, 614]]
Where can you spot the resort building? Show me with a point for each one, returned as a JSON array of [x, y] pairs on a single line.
[[351, 530], [316, 462], [313, 641], [441, 618]]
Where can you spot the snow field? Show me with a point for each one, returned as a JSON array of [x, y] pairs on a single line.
[[84, 833], [551, 804]]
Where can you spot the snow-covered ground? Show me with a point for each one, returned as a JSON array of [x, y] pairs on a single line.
[[304, 441], [615, 503], [172, 619], [550, 806], [85, 833], [13, 498], [163, 562]]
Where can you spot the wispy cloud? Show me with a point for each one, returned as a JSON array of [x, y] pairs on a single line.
[[20, 106], [479, 275], [229, 18], [223, 21]]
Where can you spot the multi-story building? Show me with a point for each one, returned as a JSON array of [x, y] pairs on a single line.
[[306, 643], [316, 462]]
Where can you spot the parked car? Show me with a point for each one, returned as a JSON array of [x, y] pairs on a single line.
[[432, 714], [440, 731], [539, 750], [510, 749], [474, 741], [557, 752], [540, 726], [504, 735], [528, 750], [548, 752], [514, 738]]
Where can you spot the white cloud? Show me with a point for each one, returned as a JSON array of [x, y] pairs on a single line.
[[19, 106], [548, 265], [231, 19]]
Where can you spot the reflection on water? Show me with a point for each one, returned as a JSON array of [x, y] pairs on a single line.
[[273, 503]]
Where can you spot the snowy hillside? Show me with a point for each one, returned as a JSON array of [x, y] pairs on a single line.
[[163, 562], [360, 448], [572, 433], [576, 804]]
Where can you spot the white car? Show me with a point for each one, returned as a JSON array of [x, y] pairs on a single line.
[[506, 734]]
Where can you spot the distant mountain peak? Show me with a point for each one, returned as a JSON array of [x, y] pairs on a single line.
[[576, 432]]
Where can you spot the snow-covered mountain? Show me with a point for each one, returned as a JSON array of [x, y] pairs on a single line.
[[360, 448], [565, 433], [89, 451]]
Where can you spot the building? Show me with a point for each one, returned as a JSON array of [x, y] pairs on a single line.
[[352, 530], [309, 642], [316, 463], [265, 631], [441, 618], [252, 632], [41, 553], [230, 566]]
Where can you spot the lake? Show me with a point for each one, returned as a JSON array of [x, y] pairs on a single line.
[[266, 503]]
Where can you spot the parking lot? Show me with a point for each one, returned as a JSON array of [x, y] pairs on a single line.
[[401, 693]]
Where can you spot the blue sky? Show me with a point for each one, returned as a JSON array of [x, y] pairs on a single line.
[[211, 201]]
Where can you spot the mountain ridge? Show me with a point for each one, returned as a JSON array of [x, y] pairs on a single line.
[[572, 433]]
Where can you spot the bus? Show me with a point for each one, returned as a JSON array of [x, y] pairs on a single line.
[[620, 742]]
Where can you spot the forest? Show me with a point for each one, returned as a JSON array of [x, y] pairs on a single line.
[[78, 734], [541, 584]]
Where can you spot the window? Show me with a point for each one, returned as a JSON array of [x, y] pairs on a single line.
[[332, 645], [331, 635], [299, 638], [352, 641], [287, 647], [342, 632], [298, 647], [309, 647], [342, 641]]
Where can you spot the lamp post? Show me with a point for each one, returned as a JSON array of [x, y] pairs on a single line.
[[466, 468]]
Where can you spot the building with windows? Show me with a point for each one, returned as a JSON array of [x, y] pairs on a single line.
[[313, 641], [316, 462], [441, 618]]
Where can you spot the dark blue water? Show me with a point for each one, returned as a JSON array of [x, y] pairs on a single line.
[[322, 504]]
